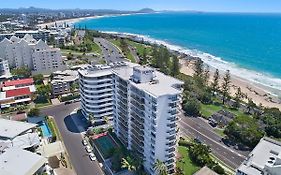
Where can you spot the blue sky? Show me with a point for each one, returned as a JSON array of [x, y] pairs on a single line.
[[200, 5]]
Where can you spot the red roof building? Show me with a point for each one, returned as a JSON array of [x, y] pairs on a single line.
[[20, 82], [18, 92]]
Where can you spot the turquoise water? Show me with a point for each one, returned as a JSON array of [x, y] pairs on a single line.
[[45, 130], [248, 45]]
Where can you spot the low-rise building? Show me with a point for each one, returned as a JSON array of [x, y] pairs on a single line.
[[15, 92], [265, 159], [17, 161], [17, 134], [62, 81]]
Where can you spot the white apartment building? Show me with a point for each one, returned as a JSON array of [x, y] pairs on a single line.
[[265, 159], [4, 69], [145, 109], [36, 55]]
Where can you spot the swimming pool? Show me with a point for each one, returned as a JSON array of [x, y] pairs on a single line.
[[45, 130]]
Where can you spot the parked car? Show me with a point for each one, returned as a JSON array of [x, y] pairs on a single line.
[[84, 142], [68, 102], [88, 149], [92, 157]]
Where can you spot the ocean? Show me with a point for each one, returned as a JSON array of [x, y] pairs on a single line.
[[249, 45]]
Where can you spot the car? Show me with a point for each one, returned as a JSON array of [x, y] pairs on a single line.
[[92, 157], [84, 142], [88, 149], [68, 102]]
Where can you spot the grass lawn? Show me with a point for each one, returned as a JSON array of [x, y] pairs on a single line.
[[185, 162], [208, 110], [128, 54], [219, 132], [96, 48], [140, 47]]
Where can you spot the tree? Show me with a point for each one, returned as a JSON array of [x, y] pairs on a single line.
[[175, 67], [206, 75], [43, 90], [38, 79], [245, 130], [91, 117], [33, 112], [160, 168], [250, 105], [215, 83], [144, 59], [23, 72], [225, 87], [238, 98], [131, 162], [192, 106], [198, 68]]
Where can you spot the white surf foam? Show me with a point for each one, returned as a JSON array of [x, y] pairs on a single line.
[[218, 63]]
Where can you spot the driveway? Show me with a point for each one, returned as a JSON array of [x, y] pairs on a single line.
[[70, 127]]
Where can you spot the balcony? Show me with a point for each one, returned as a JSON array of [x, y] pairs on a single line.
[[172, 155]]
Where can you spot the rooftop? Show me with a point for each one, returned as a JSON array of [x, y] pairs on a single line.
[[160, 85], [10, 129], [205, 171], [17, 161], [18, 92], [18, 82], [265, 150]]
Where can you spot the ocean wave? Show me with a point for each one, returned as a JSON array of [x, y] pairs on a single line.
[[273, 83]]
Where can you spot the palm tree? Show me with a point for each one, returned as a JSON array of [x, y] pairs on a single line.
[[129, 163], [91, 117], [160, 168]]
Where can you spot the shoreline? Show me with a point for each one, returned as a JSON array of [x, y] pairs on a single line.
[[256, 90], [72, 21], [259, 93]]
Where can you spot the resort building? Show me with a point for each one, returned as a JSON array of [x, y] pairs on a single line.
[[4, 69], [265, 159], [36, 55], [15, 92], [145, 108]]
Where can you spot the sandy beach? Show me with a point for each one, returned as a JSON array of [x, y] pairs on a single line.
[[256, 92], [67, 21]]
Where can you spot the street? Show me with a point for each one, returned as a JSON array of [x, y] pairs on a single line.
[[70, 128], [198, 128], [109, 51]]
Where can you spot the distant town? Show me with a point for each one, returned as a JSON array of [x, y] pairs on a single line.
[[79, 101]]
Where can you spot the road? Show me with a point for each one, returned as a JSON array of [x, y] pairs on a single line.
[[70, 127], [134, 53], [109, 51], [198, 128]]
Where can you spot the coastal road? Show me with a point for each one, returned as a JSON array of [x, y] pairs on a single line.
[[109, 51], [70, 128], [198, 128]]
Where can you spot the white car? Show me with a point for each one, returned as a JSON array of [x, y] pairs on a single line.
[[84, 142], [92, 157], [88, 149]]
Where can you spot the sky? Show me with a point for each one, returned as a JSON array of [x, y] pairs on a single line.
[[198, 5]]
